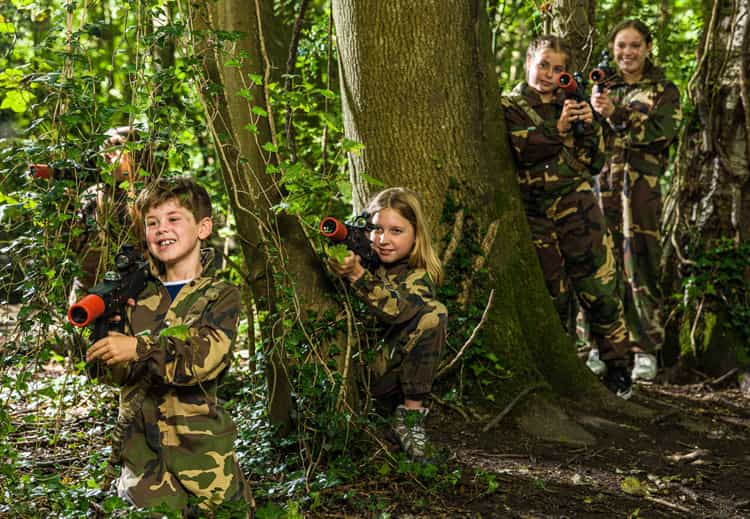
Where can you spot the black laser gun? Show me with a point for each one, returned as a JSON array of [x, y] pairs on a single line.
[[110, 297], [355, 235], [602, 73], [574, 87]]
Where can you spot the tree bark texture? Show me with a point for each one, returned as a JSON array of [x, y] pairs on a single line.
[[710, 194], [573, 20], [419, 91], [272, 244]]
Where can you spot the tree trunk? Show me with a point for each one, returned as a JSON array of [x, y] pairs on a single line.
[[573, 20], [418, 90], [710, 198], [233, 104]]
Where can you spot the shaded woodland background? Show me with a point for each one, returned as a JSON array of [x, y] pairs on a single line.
[[292, 110]]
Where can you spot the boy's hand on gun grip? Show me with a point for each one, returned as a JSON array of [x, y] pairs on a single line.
[[113, 349], [602, 103], [350, 267]]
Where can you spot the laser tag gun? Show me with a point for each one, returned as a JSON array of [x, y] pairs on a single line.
[[110, 297], [602, 73], [355, 235], [574, 87], [64, 169]]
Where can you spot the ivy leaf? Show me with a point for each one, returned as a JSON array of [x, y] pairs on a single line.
[[338, 252]]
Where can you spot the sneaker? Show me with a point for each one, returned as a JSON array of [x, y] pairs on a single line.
[[644, 367], [596, 364], [408, 424], [618, 381]]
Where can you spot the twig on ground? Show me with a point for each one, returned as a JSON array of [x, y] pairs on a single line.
[[510, 406], [668, 504], [460, 353], [722, 378]]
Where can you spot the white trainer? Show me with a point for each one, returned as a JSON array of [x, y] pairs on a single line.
[[596, 364], [644, 367]]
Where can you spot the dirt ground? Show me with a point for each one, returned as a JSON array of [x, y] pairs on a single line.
[[689, 461]]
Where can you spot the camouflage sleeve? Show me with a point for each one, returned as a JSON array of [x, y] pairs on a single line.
[[531, 144], [595, 147], [394, 303], [655, 128], [202, 351]]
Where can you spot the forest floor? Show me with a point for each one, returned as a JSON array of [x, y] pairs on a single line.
[[689, 461]]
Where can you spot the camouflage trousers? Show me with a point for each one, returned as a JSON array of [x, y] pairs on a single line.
[[412, 354], [575, 249], [632, 206], [195, 481]]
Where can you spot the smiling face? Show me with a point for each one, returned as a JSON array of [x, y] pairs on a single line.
[[631, 50], [174, 238], [543, 69], [394, 236]]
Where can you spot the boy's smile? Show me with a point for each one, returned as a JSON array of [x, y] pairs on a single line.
[[174, 237]]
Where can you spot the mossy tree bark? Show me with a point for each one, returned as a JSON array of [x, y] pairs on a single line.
[[709, 197], [419, 92]]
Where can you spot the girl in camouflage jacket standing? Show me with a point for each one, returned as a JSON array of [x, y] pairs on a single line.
[[401, 294], [555, 169], [642, 114]]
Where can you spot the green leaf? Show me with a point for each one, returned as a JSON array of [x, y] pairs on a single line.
[[16, 100], [178, 332], [372, 180], [632, 485], [338, 252], [257, 110]]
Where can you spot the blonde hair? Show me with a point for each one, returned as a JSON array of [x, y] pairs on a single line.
[[406, 203]]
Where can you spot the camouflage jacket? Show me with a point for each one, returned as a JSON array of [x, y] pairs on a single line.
[[183, 351], [645, 122], [395, 295], [546, 160]]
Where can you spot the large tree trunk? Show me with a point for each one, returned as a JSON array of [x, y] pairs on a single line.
[[419, 92], [276, 250], [710, 194]]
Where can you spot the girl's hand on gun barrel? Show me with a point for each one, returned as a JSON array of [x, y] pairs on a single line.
[[574, 111], [351, 267], [113, 348]]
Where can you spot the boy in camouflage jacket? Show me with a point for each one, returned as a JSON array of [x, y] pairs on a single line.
[[642, 113], [555, 169], [178, 449]]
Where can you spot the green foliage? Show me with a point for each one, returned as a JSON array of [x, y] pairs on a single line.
[[718, 281]]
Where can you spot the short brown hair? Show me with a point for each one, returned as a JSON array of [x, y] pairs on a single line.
[[188, 193]]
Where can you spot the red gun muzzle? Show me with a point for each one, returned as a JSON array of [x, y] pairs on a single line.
[[86, 311], [333, 229], [567, 82]]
